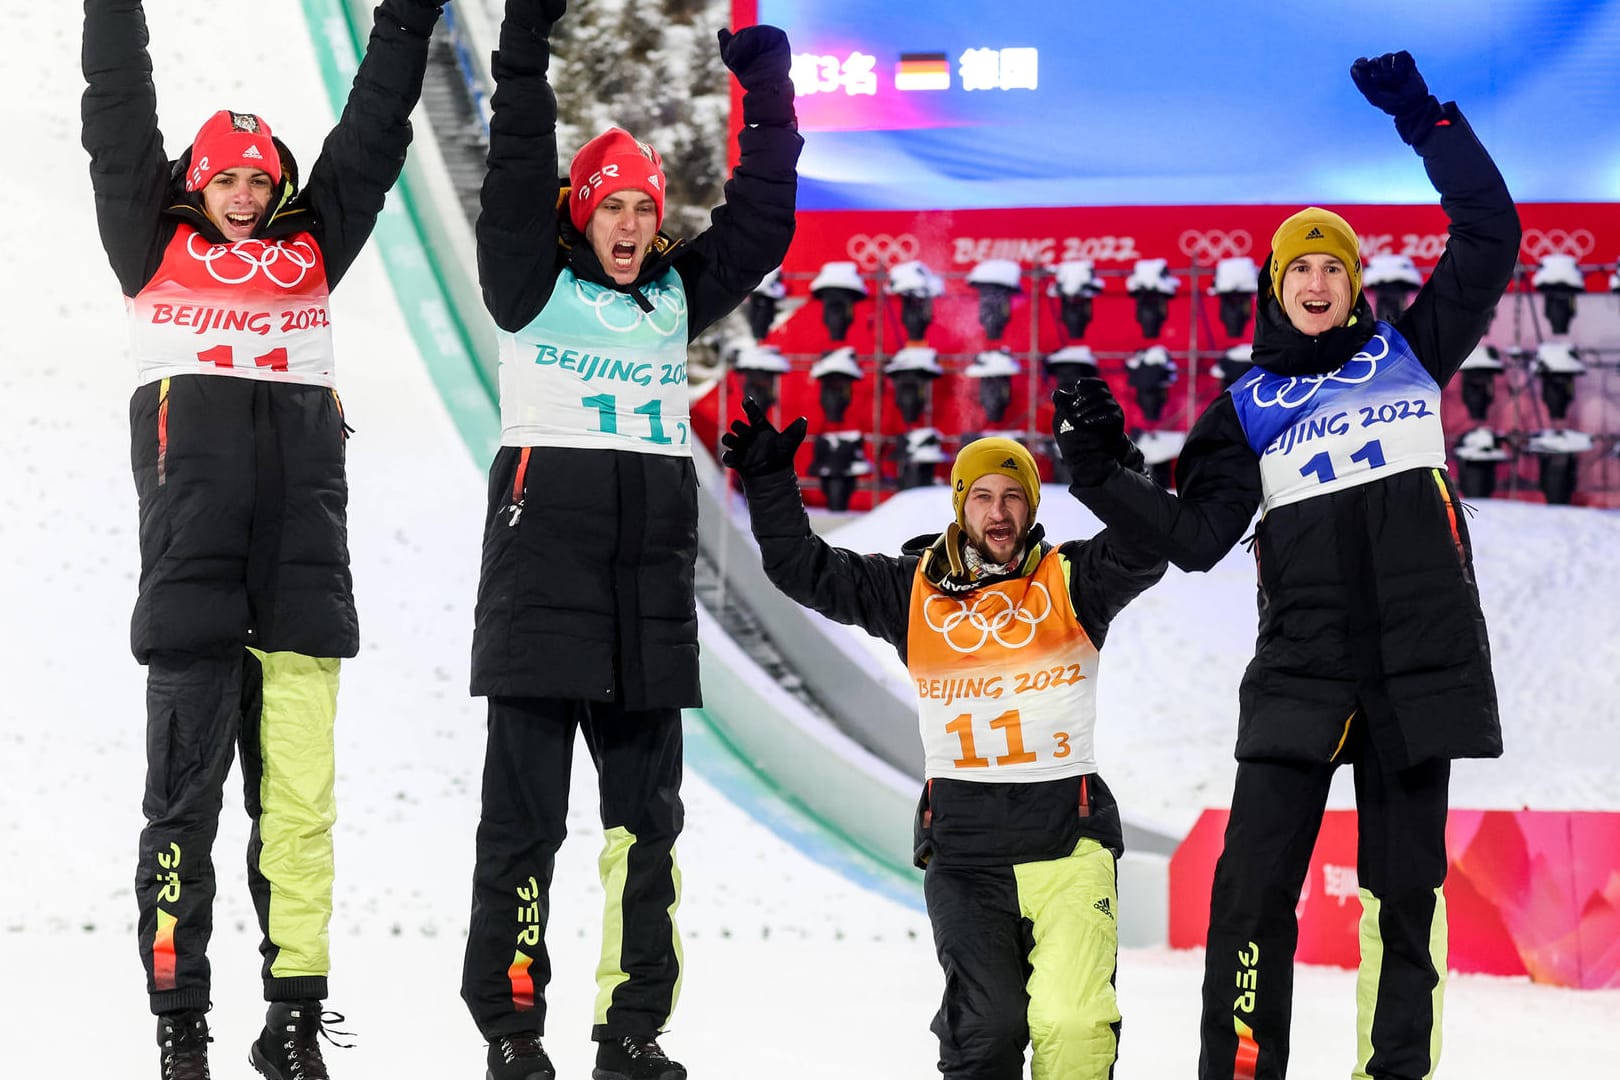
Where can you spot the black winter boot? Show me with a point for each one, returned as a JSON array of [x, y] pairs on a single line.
[[519, 1056], [184, 1039], [287, 1048], [632, 1057]]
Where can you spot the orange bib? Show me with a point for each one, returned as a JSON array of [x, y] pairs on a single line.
[[1006, 679]]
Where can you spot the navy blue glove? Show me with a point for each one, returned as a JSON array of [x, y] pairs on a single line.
[[1089, 428], [756, 448], [1392, 83]]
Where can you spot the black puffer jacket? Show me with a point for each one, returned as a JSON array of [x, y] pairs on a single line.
[[590, 595], [1367, 595], [244, 536], [958, 821]]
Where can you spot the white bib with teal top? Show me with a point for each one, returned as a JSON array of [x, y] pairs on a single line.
[[1377, 414], [596, 371]]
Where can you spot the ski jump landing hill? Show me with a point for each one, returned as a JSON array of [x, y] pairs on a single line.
[[836, 774]]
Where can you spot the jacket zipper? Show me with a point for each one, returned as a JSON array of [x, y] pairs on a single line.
[[516, 506], [1451, 517], [163, 433]]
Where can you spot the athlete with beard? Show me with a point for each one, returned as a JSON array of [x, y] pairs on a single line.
[[586, 620], [1016, 831], [1372, 645], [245, 606]]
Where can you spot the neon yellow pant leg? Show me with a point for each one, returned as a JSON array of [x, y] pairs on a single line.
[[1073, 1013], [298, 808]]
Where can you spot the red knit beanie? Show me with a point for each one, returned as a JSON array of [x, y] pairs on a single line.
[[613, 161], [232, 140]]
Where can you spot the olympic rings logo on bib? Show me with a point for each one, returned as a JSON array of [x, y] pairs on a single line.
[[991, 616], [283, 264], [1300, 389], [611, 306]]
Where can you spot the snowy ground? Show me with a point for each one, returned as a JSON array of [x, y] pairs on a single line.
[[792, 971]]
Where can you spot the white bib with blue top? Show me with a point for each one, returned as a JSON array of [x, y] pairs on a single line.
[[596, 371], [1376, 415]]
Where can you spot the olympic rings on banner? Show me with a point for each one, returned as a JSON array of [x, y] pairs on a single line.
[[882, 250], [1576, 242], [1216, 244]]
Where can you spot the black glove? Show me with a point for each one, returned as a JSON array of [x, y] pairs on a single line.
[[538, 15], [756, 448], [1392, 83], [761, 59], [758, 55], [1089, 427]]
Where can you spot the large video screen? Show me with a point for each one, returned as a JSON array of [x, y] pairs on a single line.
[[961, 104]]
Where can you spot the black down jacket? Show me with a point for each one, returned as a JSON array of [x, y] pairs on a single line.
[[588, 594], [244, 536], [1367, 598]]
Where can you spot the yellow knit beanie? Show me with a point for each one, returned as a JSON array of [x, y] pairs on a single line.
[[1315, 230], [994, 455]]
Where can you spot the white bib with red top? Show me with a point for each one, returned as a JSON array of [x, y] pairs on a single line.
[[1006, 679], [255, 309]]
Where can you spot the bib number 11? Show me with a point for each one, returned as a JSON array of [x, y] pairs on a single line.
[[1010, 724], [607, 413]]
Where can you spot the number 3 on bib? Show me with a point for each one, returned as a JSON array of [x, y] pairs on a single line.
[[1010, 724]]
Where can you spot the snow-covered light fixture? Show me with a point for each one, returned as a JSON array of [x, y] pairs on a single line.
[[1159, 452], [1070, 363], [916, 285], [1152, 285], [921, 453], [838, 458], [1150, 373], [759, 366], [1480, 451], [994, 369], [1557, 364], [1074, 283], [1558, 279], [1479, 372], [836, 373], [1233, 365], [762, 303], [912, 372], [1557, 450], [997, 282], [838, 286], [1392, 279], [1236, 281]]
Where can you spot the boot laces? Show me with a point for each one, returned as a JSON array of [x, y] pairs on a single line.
[[303, 1048], [643, 1049], [520, 1045], [185, 1052]]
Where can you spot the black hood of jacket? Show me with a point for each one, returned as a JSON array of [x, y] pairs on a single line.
[[283, 219], [1282, 349]]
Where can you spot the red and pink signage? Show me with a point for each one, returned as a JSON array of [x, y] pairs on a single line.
[[1527, 893]]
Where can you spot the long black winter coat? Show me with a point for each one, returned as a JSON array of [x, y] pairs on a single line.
[[958, 821], [590, 595], [1367, 597], [244, 540]]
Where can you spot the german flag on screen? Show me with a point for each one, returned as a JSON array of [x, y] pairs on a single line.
[[922, 71]]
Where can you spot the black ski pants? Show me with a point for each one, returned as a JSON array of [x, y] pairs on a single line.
[[1277, 811], [278, 710], [527, 764]]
